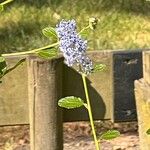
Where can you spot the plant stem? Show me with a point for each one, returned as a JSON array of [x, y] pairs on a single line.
[[90, 112], [34, 50], [5, 2], [31, 51], [84, 29]]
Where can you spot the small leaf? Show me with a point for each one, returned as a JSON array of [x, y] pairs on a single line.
[[2, 59], [3, 66], [99, 67], [70, 102], [110, 134], [15, 66], [148, 131], [85, 105], [48, 53], [1, 7], [50, 32]]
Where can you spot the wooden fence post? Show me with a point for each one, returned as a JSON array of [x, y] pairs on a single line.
[[142, 93], [45, 88]]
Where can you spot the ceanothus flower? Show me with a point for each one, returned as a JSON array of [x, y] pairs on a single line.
[[73, 46]]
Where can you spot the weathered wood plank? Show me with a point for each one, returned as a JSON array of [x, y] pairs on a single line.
[[99, 85], [142, 93], [14, 95], [146, 66], [45, 88], [107, 91]]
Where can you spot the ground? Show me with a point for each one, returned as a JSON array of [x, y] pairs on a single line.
[[76, 136]]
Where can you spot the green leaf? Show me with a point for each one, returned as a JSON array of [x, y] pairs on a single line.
[[50, 32], [3, 66], [2, 59], [110, 134], [99, 67], [15, 66], [148, 131], [70, 102], [85, 105], [1, 7], [48, 53]]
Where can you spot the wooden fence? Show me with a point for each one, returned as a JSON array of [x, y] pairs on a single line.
[[112, 90], [142, 92], [30, 93]]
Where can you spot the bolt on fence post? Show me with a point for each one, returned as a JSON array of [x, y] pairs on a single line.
[[45, 88]]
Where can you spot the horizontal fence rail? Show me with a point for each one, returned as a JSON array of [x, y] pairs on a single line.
[[111, 91]]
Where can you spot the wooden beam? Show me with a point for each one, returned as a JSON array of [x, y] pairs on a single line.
[[142, 93], [45, 88], [108, 89], [146, 66]]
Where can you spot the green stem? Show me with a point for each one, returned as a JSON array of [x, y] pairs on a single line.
[[5, 2], [31, 51], [34, 50], [87, 27], [90, 112]]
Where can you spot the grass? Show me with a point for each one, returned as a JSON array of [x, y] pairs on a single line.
[[124, 24]]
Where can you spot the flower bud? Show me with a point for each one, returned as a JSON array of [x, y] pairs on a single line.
[[93, 22]]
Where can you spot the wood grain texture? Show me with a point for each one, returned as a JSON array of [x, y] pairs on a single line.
[[99, 87], [142, 93], [108, 89], [146, 66], [14, 95], [45, 88]]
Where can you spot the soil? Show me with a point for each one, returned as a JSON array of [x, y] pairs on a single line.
[[76, 136]]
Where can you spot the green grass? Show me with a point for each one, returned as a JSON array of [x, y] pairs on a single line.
[[124, 24]]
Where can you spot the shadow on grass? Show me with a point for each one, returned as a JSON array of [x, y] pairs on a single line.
[[135, 6]]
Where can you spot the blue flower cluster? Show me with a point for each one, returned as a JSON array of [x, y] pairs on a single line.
[[73, 46]]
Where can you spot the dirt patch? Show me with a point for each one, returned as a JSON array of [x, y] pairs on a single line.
[[76, 136], [13, 136]]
